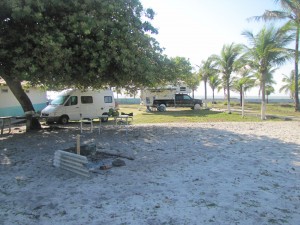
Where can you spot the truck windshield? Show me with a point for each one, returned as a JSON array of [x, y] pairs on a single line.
[[59, 100]]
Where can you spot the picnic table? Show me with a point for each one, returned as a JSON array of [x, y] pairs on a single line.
[[121, 120]]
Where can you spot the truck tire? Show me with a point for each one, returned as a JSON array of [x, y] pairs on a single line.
[[162, 108], [64, 119], [197, 107]]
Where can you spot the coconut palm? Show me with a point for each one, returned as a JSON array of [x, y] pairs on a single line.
[[269, 90], [206, 69], [227, 64], [269, 79], [266, 51], [291, 13], [214, 82], [289, 86], [244, 80], [192, 82]]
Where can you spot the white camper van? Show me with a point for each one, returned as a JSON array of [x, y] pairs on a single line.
[[71, 104]]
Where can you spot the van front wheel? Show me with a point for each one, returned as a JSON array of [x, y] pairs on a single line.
[[64, 120]]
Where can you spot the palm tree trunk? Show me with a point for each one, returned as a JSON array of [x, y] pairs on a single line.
[[296, 70], [228, 97], [263, 97], [205, 93], [241, 96]]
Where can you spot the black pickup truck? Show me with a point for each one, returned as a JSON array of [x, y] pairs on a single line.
[[180, 100]]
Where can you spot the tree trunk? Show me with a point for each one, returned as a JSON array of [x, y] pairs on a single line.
[[205, 94], [16, 88], [241, 96], [296, 71], [263, 98], [228, 97]]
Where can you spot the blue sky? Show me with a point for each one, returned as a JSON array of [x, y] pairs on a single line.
[[196, 29]]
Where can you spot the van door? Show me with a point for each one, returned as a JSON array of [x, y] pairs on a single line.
[[87, 106], [72, 109], [108, 104]]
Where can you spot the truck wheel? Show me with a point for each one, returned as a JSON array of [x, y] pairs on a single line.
[[64, 120], [162, 108], [197, 107]]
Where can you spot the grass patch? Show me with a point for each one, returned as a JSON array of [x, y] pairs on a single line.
[[183, 115], [278, 109]]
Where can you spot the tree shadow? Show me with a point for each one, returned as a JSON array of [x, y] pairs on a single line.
[[229, 174]]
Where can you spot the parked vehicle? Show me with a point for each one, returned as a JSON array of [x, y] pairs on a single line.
[[179, 100], [169, 96], [72, 104]]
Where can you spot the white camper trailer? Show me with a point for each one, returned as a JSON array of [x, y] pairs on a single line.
[[10, 106], [72, 104], [148, 95]]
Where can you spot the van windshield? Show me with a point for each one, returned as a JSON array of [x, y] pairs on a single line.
[[59, 100]]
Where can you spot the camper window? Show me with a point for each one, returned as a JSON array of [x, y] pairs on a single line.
[[72, 101], [86, 99], [107, 99]]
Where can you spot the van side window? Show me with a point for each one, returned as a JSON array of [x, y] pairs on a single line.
[[107, 99], [72, 101], [86, 99]]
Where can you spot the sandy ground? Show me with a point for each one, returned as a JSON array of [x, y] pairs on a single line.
[[203, 173]]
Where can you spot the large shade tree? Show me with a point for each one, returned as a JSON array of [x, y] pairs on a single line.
[[227, 63], [266, 49], [290, 14], [78, 43]]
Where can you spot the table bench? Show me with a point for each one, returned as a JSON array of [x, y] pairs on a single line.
[[3, 121], [117, 119]]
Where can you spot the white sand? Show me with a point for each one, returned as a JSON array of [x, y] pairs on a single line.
[[204, 173]]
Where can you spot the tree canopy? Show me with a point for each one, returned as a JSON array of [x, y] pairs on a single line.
[[267, 50], [290, 14], [78, 43]]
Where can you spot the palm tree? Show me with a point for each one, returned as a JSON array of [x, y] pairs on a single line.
[[227, 64], [291, 13], [214, 81], [245, 81], [206, 69], [192, 82], [266, 50], [289, 86], [269, 90]]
